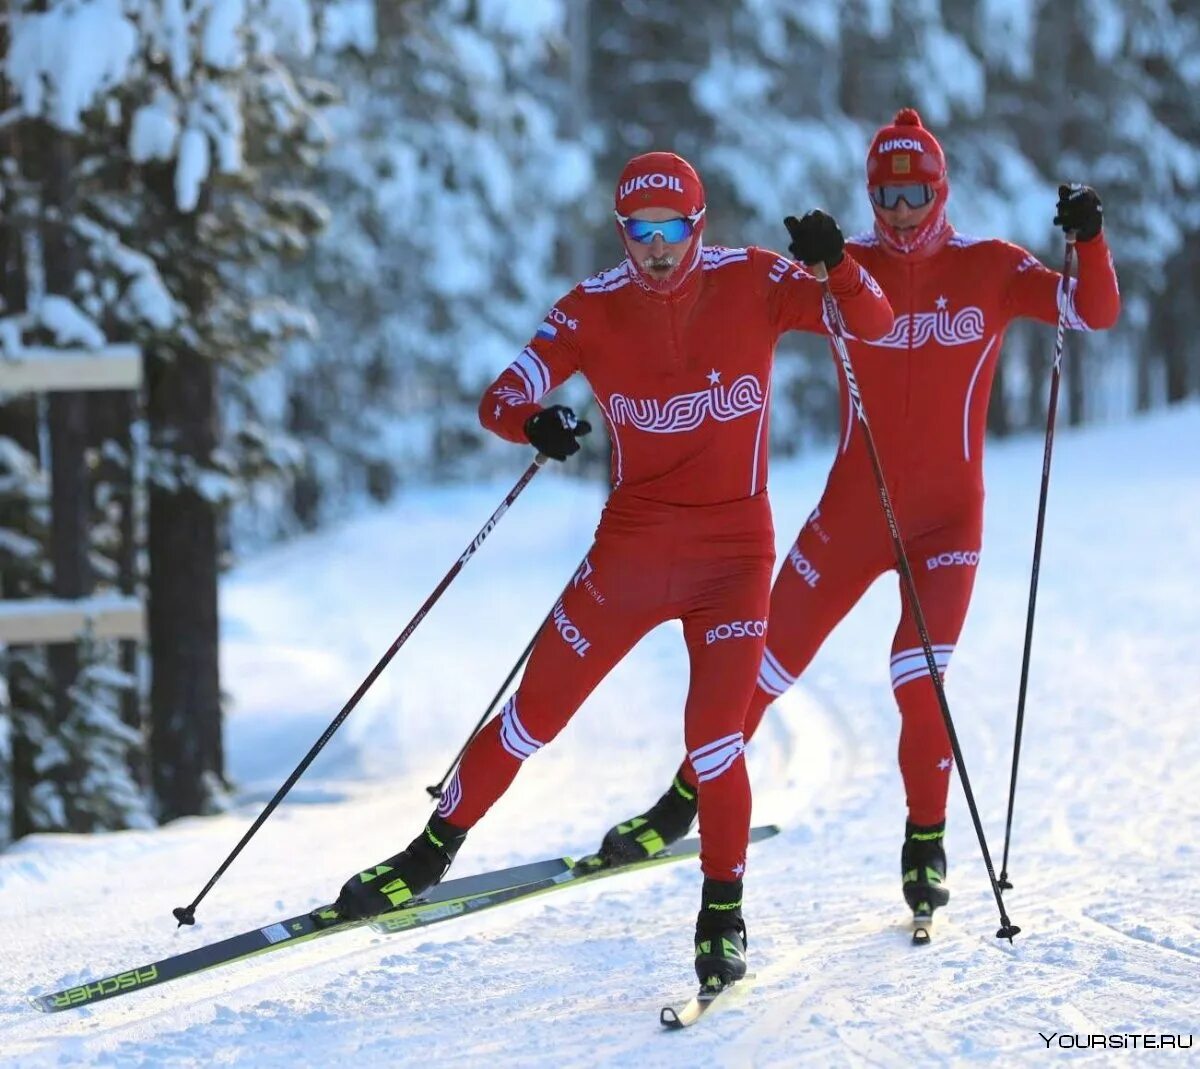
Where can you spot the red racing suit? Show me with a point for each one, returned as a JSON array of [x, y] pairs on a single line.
[[925, 388], [683, 381]]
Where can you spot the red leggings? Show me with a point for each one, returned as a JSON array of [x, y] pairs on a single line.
[[632, 581], [841, 550]]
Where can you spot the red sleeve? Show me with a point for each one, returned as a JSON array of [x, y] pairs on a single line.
[[550, 358], [1093, 300], [794, 296]]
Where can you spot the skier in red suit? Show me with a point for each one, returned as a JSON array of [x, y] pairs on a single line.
[[925, 386], [677, 344]]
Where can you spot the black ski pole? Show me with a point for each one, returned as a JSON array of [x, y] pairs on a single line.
[[833, 315], [436, 790], [1052, 409], [187, 914]]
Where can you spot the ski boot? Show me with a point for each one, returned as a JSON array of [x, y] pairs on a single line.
[[720, 935], [652, 832], [404, 876], [923, 868]]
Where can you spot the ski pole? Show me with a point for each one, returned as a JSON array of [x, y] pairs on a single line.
[[837, 333], [187, 914], [1052, 409], [436, 790]]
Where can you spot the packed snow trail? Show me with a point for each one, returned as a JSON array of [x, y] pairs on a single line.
[[1104, 860]]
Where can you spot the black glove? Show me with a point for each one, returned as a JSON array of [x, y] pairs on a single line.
[[815, 238], [553, 431], [1079, 209]]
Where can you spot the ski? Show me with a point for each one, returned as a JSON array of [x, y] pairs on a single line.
[[452, 898], [295, 930], [587, 869], [695, 1008], [922, 929]]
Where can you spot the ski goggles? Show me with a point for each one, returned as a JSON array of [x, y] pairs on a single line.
[[672, 230], [916, 195]]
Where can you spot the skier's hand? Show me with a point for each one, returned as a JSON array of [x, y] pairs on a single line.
[[554, 430], [1079, 210], [816, 238]]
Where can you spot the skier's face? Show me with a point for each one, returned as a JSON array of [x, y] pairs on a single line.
[[657, 258], [902, 217]]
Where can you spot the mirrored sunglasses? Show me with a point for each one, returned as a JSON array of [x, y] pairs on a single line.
[[672, 230]]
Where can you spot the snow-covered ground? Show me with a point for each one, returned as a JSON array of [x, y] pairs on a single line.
[[1106, 853]]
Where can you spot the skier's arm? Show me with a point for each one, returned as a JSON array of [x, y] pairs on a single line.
[[796, 293], [1093, 300], [551, 357]]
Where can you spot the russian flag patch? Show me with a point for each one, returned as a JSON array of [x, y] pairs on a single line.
[[547, 330]]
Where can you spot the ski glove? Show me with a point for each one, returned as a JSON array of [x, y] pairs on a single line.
[[554, 430], [815, 238], [1079, 209]]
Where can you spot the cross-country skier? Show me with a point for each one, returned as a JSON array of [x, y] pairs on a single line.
[[677, 344], [925, 387]]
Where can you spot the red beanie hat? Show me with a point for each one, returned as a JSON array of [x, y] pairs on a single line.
[[659, 180], [905, 152], [902, 154]]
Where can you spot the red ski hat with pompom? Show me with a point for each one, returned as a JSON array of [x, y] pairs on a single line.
[[902, 154], [905, 152]]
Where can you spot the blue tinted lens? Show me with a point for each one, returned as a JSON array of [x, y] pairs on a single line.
[[672, 230], [915, 196]]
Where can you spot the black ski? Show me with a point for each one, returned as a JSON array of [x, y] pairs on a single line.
[[452, 898], [299, 929], [586, 869]]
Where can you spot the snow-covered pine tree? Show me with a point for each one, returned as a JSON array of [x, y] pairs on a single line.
[[195, 131], [1102, 93], [458, 189], [50, 757], [780, 144]]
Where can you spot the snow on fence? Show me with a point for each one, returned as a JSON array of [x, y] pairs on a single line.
[[113, 367], [32, 621]]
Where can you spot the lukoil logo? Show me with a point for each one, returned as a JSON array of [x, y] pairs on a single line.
[[955, 558], [737, 629], [804, 567], [571, 634], [893, 143], [651, 181]]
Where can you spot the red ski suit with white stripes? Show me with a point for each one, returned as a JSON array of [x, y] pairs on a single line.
[[683, 381], [925, 388]]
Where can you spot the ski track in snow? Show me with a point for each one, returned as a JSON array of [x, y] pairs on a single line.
[[1104, 859]]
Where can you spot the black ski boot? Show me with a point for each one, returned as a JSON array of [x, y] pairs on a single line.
[[720, 935], [404, 876], [923, 867], [644, 836]]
